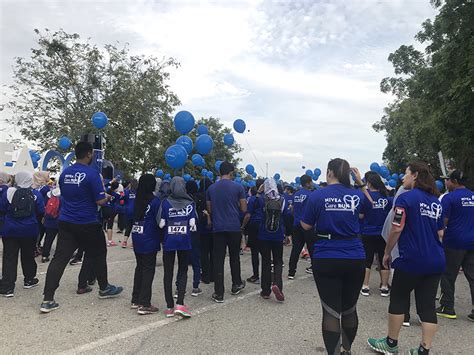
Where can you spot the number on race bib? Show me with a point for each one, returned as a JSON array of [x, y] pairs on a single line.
[[177, 229], [137, 229]]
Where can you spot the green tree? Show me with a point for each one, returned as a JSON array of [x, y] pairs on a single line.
[[434, 100]]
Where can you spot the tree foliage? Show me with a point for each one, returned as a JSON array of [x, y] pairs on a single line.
[[67, 79], [434, 92]]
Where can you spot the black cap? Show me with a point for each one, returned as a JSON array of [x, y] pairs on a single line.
[[457, 175]]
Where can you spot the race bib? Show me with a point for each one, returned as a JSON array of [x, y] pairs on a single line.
[[177, 230], [137, 229]]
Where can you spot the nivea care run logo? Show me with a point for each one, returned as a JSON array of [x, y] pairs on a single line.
[[381, 203], [348, 203], [299, 198], [467, 201], [432, 211], [181, 212], [75, 179]]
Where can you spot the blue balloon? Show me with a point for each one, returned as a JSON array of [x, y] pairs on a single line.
[[252, 183], [384, 171], [175, 156], [204, 144], [309, 172], [317, 172], [395, 177], [315, 177], [392, 183], [210, 175], [245, 183], [401, 176], [439, 185], [198, 160], [250, 169], [239, 126], [204, 172], [35, 164], [186, 142], [64, 143], [228, 139], [159, 173], [99, 120], [238, 179], [186, 177], [277, 176], [217, 165], [375, 167], [254, 174], [167, 177], [35, 156], [297, 179], [237, 174], [184, 122], [202, 129]]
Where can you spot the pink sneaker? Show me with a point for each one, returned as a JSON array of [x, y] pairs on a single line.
[[278, 294], [182, 311], [169, 312], [124, 244], [111, 243]]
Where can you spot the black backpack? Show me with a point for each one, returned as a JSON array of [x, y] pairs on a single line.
[[272, 214], [23, 203]]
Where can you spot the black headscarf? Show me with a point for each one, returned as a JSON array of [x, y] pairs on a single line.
[[164, 191], [145, 189], [204, 184]]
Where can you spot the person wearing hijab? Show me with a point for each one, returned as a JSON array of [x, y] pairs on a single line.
[[50, 221], [5, 181], [146, 244], [205, 232], [195, 256], [129, 205], [20, 204], [164, 190], [271, 236], [177, 217]]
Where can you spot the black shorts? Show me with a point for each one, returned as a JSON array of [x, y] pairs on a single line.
[[373, 244], [252, 232], [425, 287]]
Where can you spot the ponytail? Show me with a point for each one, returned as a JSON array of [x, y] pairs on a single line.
[[341, 170], [376, 181], [424, 181]]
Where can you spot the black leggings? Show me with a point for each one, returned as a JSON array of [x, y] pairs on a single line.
[[339, 282], [182, 279], [253, 243], [128, 227], [271, 251], [48, 241], [373, 244], [143, 279], [425, 287]]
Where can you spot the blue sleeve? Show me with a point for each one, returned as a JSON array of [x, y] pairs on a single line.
[[98, 191], [251, 205], [4, 202], [402, 202], [241, 193], [365, 205], [39, 203], [446, 204], [311, 210]]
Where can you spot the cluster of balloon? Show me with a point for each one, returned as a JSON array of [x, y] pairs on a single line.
[[250, 169], [175, 156], [64, 143], [35, 158], [99, 120], [159, 173], [198, 160], [390, 179]]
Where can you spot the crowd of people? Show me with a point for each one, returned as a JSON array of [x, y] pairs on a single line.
[[342, 226]]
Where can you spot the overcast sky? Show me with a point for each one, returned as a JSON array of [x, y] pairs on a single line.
[[304, 75]]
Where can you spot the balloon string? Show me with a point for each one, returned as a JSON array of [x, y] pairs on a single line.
[[251, 150]]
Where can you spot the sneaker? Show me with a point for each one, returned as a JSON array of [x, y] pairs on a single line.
[[384, 292], [110, 291], [182, 311], [48, 306], [381, 346], [278, 293], [75, 262], [237, 289], [264, 296], [147, 310], [7, 293], [134, 305], [169, 312], [446, 312], [291, 276], [217, 298], [124, 245], [254, 279], [91, 282], [365, 291], [111, 243], [176, 294], [82, 290], [309, 270], [119, 232], [406, 321], [44, 259], [414, 351], [471, 316], [31, 283], [196, 292]]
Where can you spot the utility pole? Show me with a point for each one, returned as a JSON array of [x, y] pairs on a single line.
[[266, 169]]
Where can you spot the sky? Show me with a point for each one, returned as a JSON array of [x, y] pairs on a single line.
[[304, 75]]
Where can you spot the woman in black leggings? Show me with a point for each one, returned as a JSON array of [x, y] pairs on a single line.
[[338, 256]]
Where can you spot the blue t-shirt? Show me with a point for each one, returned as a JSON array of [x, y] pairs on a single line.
[[279, 235], [177, 233], [299, 202], [146, 234], [44, 192], [225, 196], [335, 210], [129, 199], [81, 187], [458, 207], [375, 214], [21, 227], [420, 249], [3, 189], [254, 208]]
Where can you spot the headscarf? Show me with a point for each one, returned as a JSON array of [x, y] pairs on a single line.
[[157, 187], [146, 187], [5, 178], [271, 189], [191, 187], [204, 184], [23, 180], [179, 198], [164, 190], [40, 178]]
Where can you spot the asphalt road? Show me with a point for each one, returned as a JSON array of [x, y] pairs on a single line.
[[242, 324]]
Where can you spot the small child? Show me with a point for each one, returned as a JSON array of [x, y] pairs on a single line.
[[50, 221], [178, 219]]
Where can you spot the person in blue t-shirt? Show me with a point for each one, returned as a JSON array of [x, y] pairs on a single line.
[[50, 221], [20, 231], [225, 200], [110, 210], [373, 215], [130, 194], [82, 191], [338, 257], [418, 228], [5, 181], [299, 237], [146, 244], [458, 241], [271, 236], [288, 219], [178, 219], [40, 183], [251, 226]]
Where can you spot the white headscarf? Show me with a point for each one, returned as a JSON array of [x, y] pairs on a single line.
[[4, 178], [23, 179], [271, 189]]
